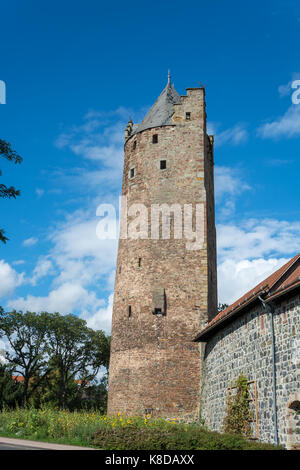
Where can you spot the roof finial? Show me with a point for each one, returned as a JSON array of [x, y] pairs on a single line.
[[169, 77]]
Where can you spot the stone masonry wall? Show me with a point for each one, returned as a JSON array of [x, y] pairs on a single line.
[[154, 362], [244, 347]]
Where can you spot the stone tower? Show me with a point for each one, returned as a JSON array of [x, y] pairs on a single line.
[[164, 292]]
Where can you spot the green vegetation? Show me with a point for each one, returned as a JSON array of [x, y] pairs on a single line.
[[116, 432], [8, 192], [239, 415], [53, 360]]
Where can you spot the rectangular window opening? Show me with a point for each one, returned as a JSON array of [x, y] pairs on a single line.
[[131, 172], [129, 311], [163, 164], [140, 262], [154, 138], [188, 116], [134, 145], [157, 311]]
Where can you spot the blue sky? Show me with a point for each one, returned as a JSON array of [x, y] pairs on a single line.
[[75, 72]]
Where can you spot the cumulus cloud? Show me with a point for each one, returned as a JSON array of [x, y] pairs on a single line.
[[43, 268], [18, 262], [229, 184], [287, 126], [235, 135], [258, 238], [101, 318], [9, 279], [235, 278], [79, 254], [66, 298], [30, 241], [79, 263], [251, 251]]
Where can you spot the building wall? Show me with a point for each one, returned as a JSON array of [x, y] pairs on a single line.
[[244, 347], [154, 362]]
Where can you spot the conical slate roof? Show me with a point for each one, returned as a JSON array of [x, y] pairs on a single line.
[[161, 112]]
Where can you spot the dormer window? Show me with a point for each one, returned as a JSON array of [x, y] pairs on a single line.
[[154, 138], [187, 116]]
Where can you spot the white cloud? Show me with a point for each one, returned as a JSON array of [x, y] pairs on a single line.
[[228, 181], [80, 264], [228, 185], [9, 279], [79, 254], [2, 352], [258, 238], [43, 268], [235, 278], [101, 319], [235, 135], [30, 241], [66, 298], [251, 251], [287, 126]]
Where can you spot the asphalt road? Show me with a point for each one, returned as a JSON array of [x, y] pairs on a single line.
[[16, 447], [8, 443]]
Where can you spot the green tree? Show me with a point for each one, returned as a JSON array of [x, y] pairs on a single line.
[[8, 192], [57, 355], [77, 352], [29, 356], [95, 396], [10, 390]]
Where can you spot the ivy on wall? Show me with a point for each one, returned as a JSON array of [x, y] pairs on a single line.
[[239, 414]]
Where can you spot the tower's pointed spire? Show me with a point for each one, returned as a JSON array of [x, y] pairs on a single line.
[[163, 109]]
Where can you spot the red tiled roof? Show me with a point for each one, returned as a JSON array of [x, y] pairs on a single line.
[[265, 286], [18, 378]]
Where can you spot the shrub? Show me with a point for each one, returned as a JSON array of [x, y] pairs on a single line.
[[159, 435]]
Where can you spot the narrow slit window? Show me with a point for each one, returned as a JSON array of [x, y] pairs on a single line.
[[134, 145], [188, 116], [159, 301], [140, 262], [154, 138], [129, 311], [163, 164], [132, 172]]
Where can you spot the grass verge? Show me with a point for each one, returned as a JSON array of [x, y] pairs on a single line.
[[92, 429]]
